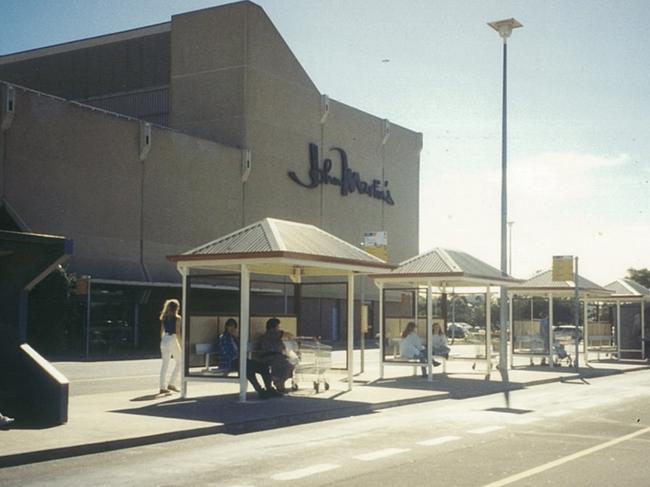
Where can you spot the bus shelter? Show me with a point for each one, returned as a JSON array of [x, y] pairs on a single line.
[[629, 299], [273, 247], [542, 316], [441, 273]]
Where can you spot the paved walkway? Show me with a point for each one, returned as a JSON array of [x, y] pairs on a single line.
[[107, 421]]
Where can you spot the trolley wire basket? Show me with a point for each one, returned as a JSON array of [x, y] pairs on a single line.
[[314, 363]]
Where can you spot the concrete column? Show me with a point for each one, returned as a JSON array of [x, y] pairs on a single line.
[[350, 330], [380, 286], [244, 329], [184, 323]]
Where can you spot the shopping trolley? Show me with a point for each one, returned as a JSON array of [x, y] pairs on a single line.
[[314, 362]]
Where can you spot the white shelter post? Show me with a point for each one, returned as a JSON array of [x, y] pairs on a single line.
[[618, 329], [244, 328], [429, 333], [184, 272], [642, 328], [488, 331], [551, 322], [380, 286], [512, 329], [585, 337], [576, 311], [350, 329]]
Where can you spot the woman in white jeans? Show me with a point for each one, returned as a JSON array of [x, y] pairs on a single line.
[[170, 331]]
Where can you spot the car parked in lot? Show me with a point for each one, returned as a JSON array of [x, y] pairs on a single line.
[[458, 330]]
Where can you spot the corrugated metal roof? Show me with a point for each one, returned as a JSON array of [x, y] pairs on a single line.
[[250, 239], [273, 235], [430, 262], [308, 239], [544, 281], [446, 261], [627, 287]]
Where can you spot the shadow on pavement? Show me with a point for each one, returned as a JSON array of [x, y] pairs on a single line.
[[234, 417], [455, 387]]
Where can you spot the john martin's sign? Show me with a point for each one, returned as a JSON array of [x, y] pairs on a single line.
[[348, 180]]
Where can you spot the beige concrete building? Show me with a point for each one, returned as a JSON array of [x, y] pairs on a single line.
[[146, 143]]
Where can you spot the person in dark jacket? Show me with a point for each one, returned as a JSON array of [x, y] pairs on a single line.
[[273, 353], [229, 360]]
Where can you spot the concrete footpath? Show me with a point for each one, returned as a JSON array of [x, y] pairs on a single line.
[[122, 419]]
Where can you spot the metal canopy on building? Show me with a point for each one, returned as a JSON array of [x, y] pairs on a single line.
[[627, 288], [281, 247], [446, 267], [278, 247], [443, 268], [542, 284]]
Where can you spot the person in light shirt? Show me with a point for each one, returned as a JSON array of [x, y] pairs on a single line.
[[439, 342], [411, 347]]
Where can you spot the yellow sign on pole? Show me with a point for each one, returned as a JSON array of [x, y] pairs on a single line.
[[563, 268], [364, 318]]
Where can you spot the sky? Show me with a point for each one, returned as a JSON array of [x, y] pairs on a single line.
[[578, 108]]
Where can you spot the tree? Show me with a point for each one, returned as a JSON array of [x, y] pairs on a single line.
[[642, 276]]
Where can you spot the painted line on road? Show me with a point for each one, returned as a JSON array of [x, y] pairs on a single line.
[[376, 455], [527, 420], [485, 429], [558, 413], [563, 460], [304, 472], [438, 441]]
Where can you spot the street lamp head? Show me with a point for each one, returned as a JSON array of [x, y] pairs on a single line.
[[504, 27]]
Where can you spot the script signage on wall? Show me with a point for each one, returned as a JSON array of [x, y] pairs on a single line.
[[347, 179]]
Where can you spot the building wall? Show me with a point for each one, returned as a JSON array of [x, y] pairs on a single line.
[[283, 116], [75, 171], [208, 73], [232, 80], [128, 76]]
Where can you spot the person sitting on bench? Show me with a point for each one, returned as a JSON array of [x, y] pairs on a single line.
[[410, 346], [439, 344], [229, 361]]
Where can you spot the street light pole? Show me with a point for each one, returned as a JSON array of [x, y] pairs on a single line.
[[504, 28], [510, 224]]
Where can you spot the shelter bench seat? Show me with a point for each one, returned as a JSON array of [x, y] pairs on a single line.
[[601, 344]]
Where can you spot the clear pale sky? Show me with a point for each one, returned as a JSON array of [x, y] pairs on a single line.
[[579, 108]]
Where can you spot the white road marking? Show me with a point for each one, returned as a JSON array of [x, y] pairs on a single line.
[[557, 413], [438, 441], [527, 420], [485, 429], [563, 460], [375, 455], [304, 472]]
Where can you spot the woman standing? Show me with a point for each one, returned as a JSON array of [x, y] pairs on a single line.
[[170, 330]]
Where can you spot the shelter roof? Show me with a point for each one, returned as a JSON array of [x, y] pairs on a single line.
[[286, 243], [543, 282], [628, 288], [448, 267]]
